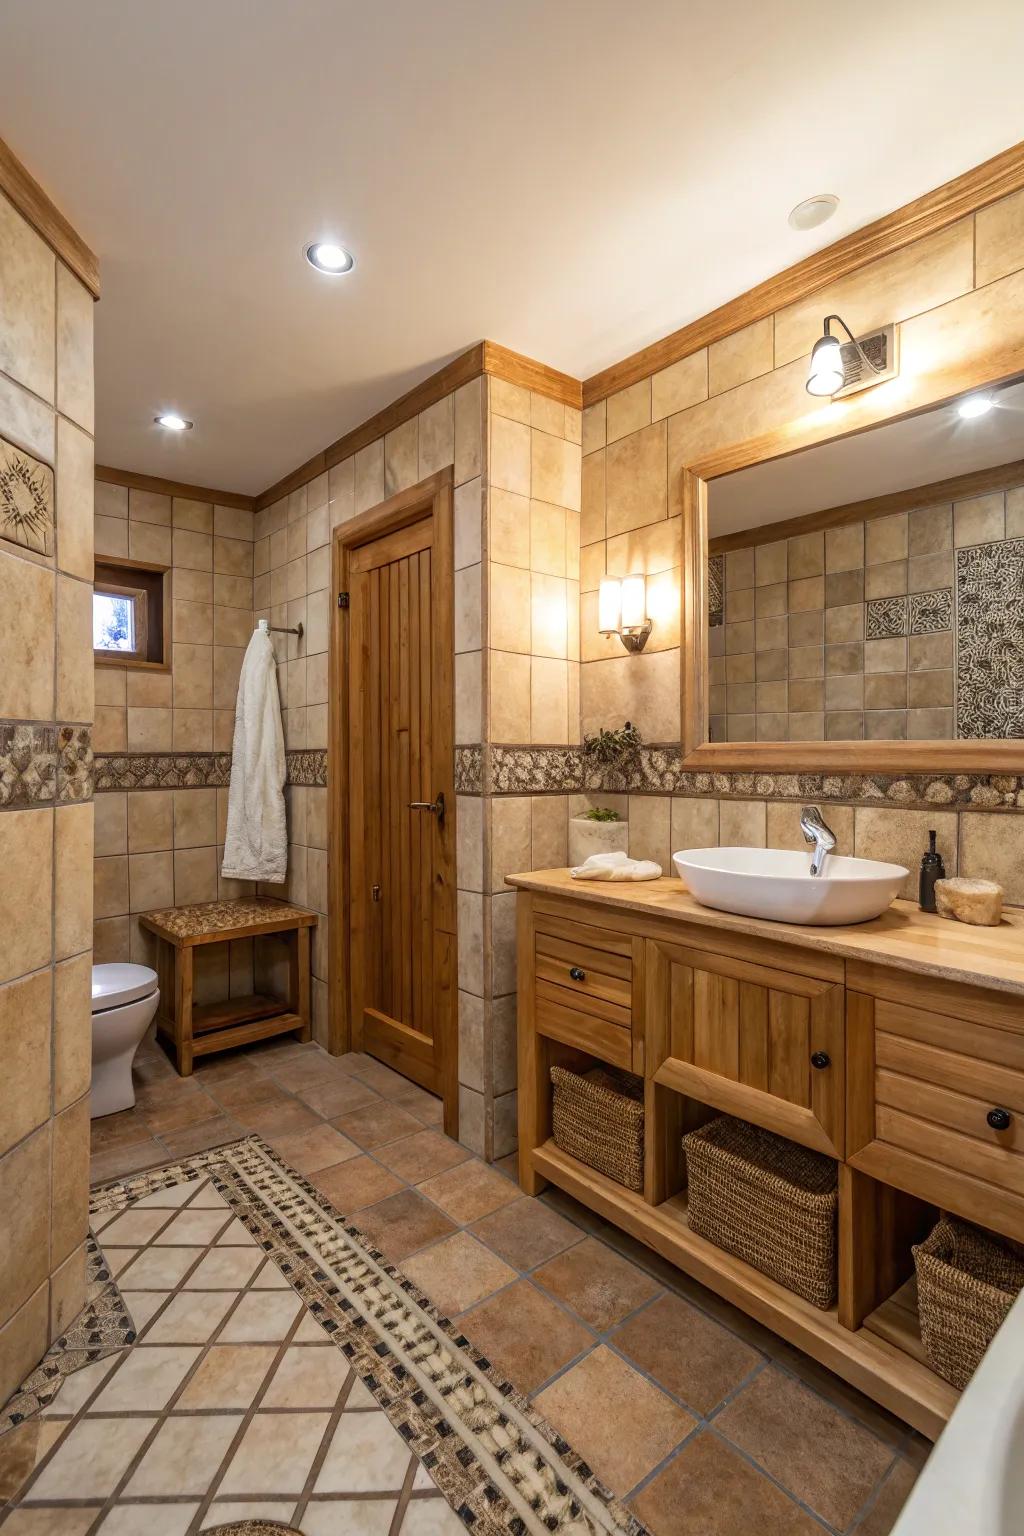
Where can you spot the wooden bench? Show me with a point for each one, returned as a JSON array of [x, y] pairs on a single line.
[[197, 1029]]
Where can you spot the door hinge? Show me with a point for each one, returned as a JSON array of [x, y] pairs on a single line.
[[342, 599]]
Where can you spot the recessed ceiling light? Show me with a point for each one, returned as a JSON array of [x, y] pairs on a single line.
[[813, 211], [173, 422], [975, 405], [330, 258]]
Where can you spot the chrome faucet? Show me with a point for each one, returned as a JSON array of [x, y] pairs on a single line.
[[815, 830]]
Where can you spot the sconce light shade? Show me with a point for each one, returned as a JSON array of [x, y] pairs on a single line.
[[826, 373], [622, 610], [634, 603], [609, 605]]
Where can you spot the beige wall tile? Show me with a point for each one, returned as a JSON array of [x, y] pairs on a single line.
[[999, 239], [149, 730], [26, 856], [149, 542], [239, 522], [468, 698], [992, 848], [437, 436], [110, 887], [550, 831], [193, 676], [636, 480], [643, 689], [150, 881], [468, 514], [593, 498], [23, 1341], [110, 537], [27, 640], [679, 386], [468, 635], [67, 1292], [73, 856], [548, 616], [72, 1029], [471, 1041], [509, 697], [234, 557], [74, 348], [547, 414], [110, 500], [25, 1202], [510, 528], [509, 608], [650, 836], [629, 410], [110, 820], [509, 400], [694, 824], [368, 471], [110, 728], [511, 837], [469, 430], [75, 667], [29, 318], [901, 837], [151, 820], [549, 701], [195, 875], [547, 538], [197, 516], [195, 817], [657, 547], [25, 1048], [69, 1181], [401, 457], [595, 427], [469, 842], [149, 507], [74, 500], [742, 356], [555, 470]]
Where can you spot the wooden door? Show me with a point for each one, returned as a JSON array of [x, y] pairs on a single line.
[[754, 1041], [401, 802]]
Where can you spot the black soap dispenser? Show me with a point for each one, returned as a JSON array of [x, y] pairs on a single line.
[[932, 869]]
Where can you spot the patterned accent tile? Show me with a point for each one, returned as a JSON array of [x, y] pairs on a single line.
[[716, 590], [931, 612], [75, 764], [469, 770], [887, 618], [308, 767], [162, 770], [28, 764], [990, 640], [26, 500]]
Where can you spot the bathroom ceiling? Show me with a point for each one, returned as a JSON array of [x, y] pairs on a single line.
[[572, 180]]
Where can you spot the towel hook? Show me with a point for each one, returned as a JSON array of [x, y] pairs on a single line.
[[280, 629]]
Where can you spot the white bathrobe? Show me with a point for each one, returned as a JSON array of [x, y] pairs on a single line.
[[256, 844]]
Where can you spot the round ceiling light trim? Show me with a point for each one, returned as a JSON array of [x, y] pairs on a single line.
[[172, 422], [813, 211], [330, 258], [974, 406]]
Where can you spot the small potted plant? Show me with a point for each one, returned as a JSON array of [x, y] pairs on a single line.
[[599, 829]]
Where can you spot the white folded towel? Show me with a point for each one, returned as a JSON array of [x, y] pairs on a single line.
[[256, 842], [616, 866]]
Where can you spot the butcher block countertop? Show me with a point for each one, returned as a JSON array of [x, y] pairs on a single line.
[[903, 937]]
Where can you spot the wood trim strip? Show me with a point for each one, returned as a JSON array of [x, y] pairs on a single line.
[[47, 220], [136, 482], [957, 488], [926, 215], [483, 358]]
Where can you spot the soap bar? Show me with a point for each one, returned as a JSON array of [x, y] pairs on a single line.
[[970, 901]]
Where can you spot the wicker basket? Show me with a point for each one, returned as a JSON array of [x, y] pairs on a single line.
[[768, 1201], [967, 1281], [598, 1117]]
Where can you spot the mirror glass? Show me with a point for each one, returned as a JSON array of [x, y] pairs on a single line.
[[872, 587]]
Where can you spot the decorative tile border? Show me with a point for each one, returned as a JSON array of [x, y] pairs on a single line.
[[42, 764], [658, 771], [26, 500], [503, 1469], [162, 770], [469, 770], [307, 768]]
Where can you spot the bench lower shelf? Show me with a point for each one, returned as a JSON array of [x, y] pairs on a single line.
[[891, 1375], [233, 1026]]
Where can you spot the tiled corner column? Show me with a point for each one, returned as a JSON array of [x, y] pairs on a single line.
[[46, 711], [530, 562]]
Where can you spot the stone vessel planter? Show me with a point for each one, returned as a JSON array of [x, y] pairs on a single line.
[[587, 837]]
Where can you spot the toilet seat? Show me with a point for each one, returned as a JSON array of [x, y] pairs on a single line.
[[114, 985]]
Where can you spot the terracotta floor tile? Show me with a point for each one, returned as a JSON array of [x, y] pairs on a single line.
[[427, 1107], [819, 1454], [890, 1499], [120, 1130], [246, 1088], [708, 1490], [359, 1181], [509, 1166], [525, 1334], [687, 1353], [277, 1119], [615, 1418], [469, 1191], [341, 1096], [419, 1157], [458, 1272], [320, 1147], [165, 1111], [389, 1084], [402, 1223], [597, 1283], [229, 1376], [215, 1132], [820, 1379], [380, 1121], [526, 1233]]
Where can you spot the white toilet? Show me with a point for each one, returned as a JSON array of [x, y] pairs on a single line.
[[124, 999]]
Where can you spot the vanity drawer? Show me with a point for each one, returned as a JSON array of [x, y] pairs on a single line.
[[936, 1080], [583, 988]]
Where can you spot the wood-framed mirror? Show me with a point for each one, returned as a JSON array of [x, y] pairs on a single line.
[[853, 600]]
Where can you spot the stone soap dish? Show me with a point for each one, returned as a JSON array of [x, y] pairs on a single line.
[[970, 901]]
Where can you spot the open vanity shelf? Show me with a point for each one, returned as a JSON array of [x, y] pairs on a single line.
[[881, 1046]]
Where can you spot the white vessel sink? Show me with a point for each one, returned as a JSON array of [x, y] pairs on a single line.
[[777, 883]]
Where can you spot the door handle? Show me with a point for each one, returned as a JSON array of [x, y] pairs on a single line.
[[436, 807]]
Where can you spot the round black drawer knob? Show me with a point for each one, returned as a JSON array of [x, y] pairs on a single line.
[[821, 1060], [577, 974], [999, 1119]]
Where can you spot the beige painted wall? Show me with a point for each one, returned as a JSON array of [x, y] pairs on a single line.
[[46, 408]]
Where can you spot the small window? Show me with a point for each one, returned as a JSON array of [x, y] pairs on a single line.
[[119, 621], [131, 610]]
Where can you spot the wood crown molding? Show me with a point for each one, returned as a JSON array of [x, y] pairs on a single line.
[[964, 195], [47, 220], [484, 358], [135, 482], [976, 483]]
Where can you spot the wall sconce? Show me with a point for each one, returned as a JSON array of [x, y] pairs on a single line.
[[622, 610], [844, 367]]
